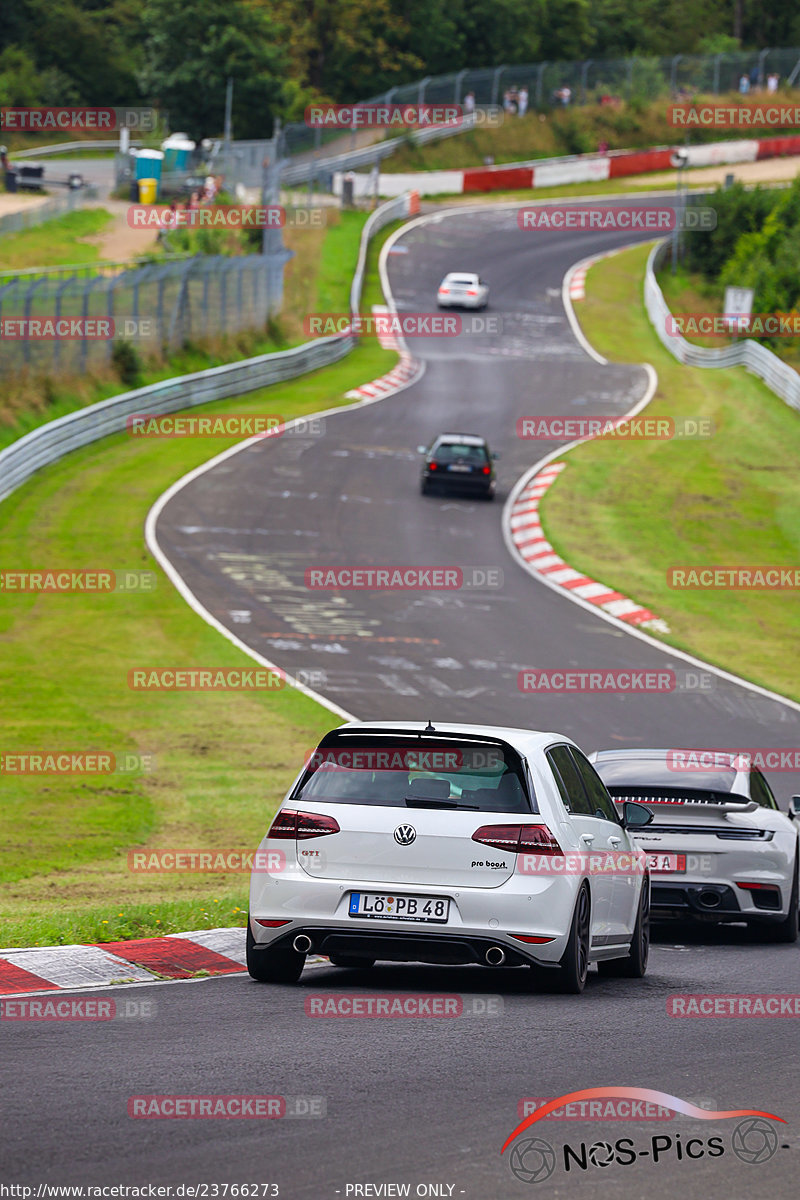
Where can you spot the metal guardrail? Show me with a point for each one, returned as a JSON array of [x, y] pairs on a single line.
[[779, 377], [67, 148], [51, 442], [367, 156]]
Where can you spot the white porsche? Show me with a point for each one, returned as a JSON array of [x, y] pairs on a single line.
[[719, 848], [450, 844]]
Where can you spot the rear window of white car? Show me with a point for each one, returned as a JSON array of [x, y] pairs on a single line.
[[407, 773], [461, 281]]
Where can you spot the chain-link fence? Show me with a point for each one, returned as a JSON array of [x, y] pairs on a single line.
[[57, 322], [591, 79]]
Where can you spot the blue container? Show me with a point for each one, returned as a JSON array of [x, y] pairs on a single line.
[[148, 164], [177, 152]]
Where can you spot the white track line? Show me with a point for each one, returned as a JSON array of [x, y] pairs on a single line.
[[525, 479]]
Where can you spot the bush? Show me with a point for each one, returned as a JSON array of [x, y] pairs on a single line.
[[127, 363], [738, 212]]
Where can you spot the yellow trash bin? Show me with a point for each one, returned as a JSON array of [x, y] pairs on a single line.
[[148, 189]]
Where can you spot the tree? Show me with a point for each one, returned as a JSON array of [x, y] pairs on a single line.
[[189, 53]]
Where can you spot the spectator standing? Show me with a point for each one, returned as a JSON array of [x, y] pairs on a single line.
[[772, 83], [744, 85], [469, 102], [522, 102]]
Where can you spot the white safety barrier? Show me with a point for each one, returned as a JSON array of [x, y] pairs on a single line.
[[48, 443], [777, 375]]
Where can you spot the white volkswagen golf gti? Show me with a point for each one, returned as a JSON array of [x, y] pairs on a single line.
[[719, 848], [453, 844]]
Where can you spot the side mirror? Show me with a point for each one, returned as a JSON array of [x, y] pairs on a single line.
[[794, 807], [635, 816]]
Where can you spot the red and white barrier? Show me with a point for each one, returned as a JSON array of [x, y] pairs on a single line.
[[580, 168]]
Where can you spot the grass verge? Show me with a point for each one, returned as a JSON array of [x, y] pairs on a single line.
[[222, 761], [626, 512], [56, 243], [317, 277]]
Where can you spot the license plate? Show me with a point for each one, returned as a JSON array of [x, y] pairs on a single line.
[[458, 467], [660, 863], [380, 906]]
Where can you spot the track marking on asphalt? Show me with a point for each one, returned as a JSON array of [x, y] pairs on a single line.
[[525, 480]]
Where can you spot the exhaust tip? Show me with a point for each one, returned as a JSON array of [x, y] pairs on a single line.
[[302, 943], [495, 956], [709, 899]]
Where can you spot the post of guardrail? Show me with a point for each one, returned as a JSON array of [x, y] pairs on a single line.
[[423, 83], [496, 83], [584, 74], [673, 75], [717, 60], [761, 60], [457, 86], [223, 301], [540, 82]]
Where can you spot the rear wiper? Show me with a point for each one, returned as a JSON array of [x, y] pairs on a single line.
[[429, 802]]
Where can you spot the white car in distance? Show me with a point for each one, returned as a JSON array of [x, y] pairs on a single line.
[[454, 844], [462, 290]]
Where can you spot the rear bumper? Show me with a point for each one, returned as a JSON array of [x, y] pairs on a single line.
[[416, 946], [713, 902], [462, 483]]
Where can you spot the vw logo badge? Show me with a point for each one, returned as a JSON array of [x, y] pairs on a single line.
[[404, 835]]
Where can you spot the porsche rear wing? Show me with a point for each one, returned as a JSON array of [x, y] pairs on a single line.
[[692, 799]]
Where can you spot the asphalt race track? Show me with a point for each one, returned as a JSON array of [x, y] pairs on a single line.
[[427, 1101]]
